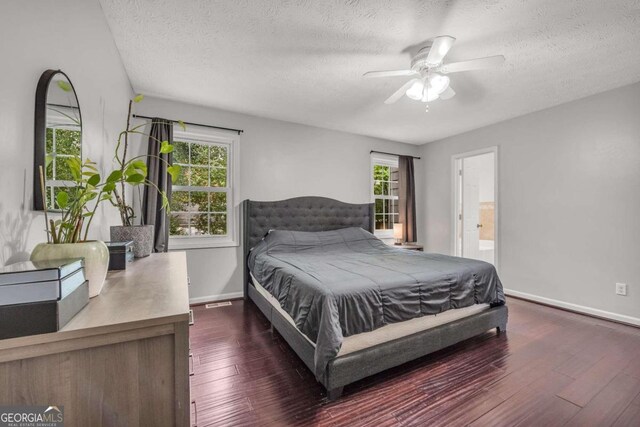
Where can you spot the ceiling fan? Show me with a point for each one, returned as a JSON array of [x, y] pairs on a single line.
[[430, 80]]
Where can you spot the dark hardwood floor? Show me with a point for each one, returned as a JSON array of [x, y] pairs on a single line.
[[551, 368]]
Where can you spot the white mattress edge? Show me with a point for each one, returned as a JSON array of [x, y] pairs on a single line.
[[386, 333]]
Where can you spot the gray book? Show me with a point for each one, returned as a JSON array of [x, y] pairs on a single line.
[[18, 320], [39, 271], [51, 290]]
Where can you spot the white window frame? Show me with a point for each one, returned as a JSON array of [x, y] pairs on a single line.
[[202, 135], [384, 160]]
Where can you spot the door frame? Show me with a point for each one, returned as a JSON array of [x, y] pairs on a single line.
[[455, 195]]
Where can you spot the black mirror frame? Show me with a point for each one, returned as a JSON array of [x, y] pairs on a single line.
[[40, 132]]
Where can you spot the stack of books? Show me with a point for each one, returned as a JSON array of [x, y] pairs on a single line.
[[41, 297]]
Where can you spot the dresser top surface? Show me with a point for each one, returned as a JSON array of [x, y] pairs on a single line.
[[150, 288], [151, 291]]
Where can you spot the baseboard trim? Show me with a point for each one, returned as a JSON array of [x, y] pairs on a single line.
[[215, 298], [594, 312]]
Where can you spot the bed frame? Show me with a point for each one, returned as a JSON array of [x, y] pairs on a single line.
[[322, 214]]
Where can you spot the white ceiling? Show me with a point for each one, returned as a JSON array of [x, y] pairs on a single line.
[[302, 60]]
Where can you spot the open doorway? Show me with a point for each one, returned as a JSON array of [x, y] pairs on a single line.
[[476, 205]]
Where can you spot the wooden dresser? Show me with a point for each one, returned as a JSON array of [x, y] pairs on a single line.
[[122, 361]]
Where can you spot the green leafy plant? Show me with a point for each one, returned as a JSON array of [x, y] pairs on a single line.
[[77, 203], [134, 171]]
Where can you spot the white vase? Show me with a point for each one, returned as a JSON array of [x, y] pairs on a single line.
[[141, 235], [95, 254]]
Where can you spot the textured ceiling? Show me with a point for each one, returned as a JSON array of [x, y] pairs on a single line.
[[302, 60]]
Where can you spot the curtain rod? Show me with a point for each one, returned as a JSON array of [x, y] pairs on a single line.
[[138, 116], [391, 154]]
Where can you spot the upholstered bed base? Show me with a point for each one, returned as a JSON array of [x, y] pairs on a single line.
[[318, 214], [358, 365]]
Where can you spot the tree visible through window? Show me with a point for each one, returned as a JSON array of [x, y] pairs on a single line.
[[385, 194], [200, 198]]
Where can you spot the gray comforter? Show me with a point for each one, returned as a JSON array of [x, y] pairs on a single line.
[[339, 283]]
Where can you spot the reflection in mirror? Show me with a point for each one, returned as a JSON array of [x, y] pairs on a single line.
[[58, 135]]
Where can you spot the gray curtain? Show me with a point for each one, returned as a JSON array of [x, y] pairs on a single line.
[[152, 212], [407, 197]]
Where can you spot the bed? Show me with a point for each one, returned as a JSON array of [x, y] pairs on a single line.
[[351, 306]]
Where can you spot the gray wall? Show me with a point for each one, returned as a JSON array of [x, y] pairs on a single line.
[[569, 194], [279, 160], [71, 35]]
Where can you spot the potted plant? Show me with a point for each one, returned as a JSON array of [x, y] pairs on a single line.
[[67, 236], [133, 172]]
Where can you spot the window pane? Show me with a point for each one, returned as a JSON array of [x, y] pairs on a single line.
[[386, 206], [49, 140], [393, 188], [199, 201], [48, 191], [377, 188], [67, 141], [199, 154], [218, 202], [381, 173], [62, 170], [379, 208], [379, 222], [393, 174], [381, 188], [49, 169], [199, 176], [389, 222], [199, 225], [393, 206], [385, 188], [218, 156], [178, 224], [180, 152], [183, 176], [179, 201], [218, 177], [218, 224]]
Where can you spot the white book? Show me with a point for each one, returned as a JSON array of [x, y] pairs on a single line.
[[38, 271], [51, 290]]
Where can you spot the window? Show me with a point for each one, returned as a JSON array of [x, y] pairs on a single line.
[[62, 141], [385, 193], [202, 200]]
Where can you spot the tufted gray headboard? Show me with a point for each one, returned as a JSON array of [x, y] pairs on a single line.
[[299, 214]]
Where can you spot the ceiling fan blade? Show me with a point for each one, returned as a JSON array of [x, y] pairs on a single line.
[[472, 64], [398, 94], [440, 47], [392, 73], [448, 93]]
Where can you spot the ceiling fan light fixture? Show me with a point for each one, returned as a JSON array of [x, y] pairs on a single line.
[[415, 91], [430, 96], [429, 72], [438, 83]]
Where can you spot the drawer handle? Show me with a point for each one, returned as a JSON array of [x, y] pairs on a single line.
[[191, 367], [195, 413]]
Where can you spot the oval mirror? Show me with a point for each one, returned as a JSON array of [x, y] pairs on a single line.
[[58, 136]]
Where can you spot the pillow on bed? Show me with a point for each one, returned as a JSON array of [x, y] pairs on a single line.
[[296, 241]]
